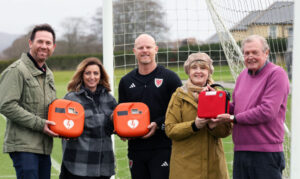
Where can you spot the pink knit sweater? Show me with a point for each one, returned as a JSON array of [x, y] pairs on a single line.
[[259, 104]]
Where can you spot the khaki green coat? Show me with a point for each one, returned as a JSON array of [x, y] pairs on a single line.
[[25, 93], [195, 155]]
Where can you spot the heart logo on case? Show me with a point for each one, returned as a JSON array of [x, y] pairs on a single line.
[[68, 123], [133, 123]]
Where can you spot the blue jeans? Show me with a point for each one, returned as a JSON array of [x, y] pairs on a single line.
[[31, 165]]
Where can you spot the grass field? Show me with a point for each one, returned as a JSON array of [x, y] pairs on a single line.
[[61, 80]]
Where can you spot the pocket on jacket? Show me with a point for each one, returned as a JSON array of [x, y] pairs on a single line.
[[52, 91], [31, 91]]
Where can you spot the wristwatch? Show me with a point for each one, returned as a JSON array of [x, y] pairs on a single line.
[[232, 118]]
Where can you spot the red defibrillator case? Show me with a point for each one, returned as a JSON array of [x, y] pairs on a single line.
[[131, 119], [213, 103], [68, 116]]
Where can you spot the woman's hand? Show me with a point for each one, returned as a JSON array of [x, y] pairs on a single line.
[[212, 124], [201, 122], [208, 88]]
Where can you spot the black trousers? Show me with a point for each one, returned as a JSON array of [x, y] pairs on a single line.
[[150, 164], [65, 174], [258, 165]]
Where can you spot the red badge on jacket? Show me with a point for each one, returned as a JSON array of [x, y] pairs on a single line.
[[158, 82]]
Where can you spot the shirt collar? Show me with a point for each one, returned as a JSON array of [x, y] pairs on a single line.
[[43, 68], [250, 71]]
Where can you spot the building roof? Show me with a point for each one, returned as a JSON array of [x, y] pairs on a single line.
[[277, 13]]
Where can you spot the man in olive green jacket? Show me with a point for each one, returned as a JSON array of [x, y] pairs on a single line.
[[26, 90]]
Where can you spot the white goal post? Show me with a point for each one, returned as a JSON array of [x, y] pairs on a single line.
[[295, 145], [212, 26]]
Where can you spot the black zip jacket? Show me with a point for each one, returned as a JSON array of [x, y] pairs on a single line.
[[155, 90]]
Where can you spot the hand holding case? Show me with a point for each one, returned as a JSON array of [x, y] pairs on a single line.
[[213, 103], [131, 119], [68, 116]]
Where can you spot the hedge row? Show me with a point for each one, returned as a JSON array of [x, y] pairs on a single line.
[[4, 64], [68, 62], [215, 51]]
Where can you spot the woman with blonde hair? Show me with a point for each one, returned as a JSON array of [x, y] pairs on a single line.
[[90, 155], [197, 150]]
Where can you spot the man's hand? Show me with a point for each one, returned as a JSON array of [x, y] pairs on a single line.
[[223, 118], [47, 129], [152, 127]]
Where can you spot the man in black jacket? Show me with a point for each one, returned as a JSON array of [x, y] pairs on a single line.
[[153, 85]]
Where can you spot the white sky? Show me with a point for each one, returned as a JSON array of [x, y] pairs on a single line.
[[186, 18], [18, 16]]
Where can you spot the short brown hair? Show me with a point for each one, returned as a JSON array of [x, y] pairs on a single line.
[[77, 79], [42, 27]]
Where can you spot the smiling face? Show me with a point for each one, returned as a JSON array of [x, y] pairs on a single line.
[[91, 77], [42, 46], [198, 73], [145, 49], [254, 55]]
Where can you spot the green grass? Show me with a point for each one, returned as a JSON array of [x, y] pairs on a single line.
[[61, 80]]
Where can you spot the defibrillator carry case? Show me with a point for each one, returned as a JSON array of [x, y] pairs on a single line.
[[68, 116], [131, 119], [213, 103]]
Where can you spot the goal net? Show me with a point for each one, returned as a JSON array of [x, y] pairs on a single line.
[[215, 27]]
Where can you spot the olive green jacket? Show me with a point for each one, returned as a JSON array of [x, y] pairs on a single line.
[[195, 154], [25, 93]]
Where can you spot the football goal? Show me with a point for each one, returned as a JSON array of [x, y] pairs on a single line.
[[180, 28]]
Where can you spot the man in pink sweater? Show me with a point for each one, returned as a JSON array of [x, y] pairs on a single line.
[[258, 108]]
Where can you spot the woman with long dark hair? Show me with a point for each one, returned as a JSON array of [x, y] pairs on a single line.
[[90, 156]]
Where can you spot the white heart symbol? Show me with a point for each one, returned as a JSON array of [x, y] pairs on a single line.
[[68, 123], [133, 123]]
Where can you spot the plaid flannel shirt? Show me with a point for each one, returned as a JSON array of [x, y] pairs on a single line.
[[91, 154]]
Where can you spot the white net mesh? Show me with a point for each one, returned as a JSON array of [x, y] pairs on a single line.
[[215, 27]]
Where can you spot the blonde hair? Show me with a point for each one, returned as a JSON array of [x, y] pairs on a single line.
[[77, 80], [203, 59], [198, 57]]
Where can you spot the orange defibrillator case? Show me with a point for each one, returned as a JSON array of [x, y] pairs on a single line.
[[213, 103], [131, 119], [68, 116]]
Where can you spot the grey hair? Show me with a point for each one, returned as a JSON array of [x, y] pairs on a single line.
[[251, 38]]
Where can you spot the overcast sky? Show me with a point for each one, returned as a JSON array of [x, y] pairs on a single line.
[[17, 16], [186, 18]]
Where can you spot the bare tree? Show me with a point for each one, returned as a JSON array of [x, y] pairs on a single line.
[[19, 46], [132, 18], [74, 31], [96, 26]]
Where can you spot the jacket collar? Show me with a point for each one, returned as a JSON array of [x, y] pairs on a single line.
[[31, 66], [257, 72], [185, 95], [35, 71], [43, 68], [100, 89]]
